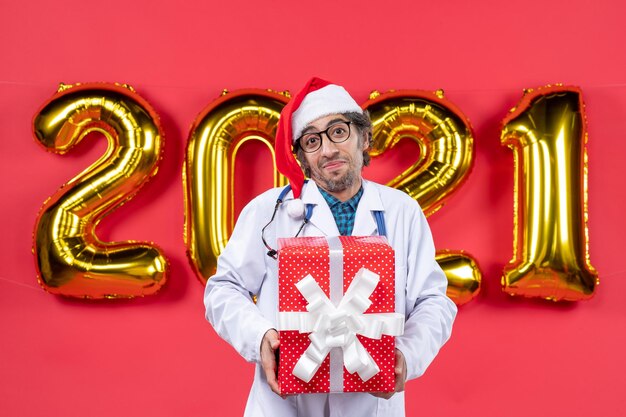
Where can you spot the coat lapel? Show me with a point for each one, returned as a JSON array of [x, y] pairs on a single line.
[[364, 222], [322, 217]]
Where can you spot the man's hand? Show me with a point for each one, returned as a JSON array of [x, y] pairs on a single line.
[[400, 373], [269, 346]]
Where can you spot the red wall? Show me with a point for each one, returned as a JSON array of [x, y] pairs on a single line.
[[157, 356]]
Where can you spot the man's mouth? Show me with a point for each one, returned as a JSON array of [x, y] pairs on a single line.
[[336, 163]]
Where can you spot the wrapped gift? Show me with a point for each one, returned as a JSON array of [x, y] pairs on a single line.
[[336, 314]]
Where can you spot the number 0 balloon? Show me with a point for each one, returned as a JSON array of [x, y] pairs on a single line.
[[70, 258], [216, 135]]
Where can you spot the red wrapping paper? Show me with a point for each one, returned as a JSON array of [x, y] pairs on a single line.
[[298, 257]]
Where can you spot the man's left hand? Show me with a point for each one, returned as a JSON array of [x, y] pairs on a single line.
[[400, 374]]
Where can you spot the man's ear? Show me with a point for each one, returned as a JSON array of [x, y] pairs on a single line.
[[367, 138]]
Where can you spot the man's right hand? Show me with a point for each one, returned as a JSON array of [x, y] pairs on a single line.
[[269, 346]]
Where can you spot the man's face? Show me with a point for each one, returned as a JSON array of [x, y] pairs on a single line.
[[336, 167]]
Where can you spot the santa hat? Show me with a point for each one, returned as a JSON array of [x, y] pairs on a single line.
[[317, 99]]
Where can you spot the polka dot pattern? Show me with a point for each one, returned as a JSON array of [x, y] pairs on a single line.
[[292, 346], [299, 257]]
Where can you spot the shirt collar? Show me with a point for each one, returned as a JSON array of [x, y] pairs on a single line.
[[333, 201]]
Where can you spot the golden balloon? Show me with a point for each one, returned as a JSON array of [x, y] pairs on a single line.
[[70, 258], [463, 273], [216, 135], [444, 136], [547, 133]]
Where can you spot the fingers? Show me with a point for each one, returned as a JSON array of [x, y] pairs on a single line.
[[269, 346], [400, 377], [400, 371], [274, 343]]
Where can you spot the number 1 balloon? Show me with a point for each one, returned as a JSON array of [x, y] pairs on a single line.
[[547, 133]]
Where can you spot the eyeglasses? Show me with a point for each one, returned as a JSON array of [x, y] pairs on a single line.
[[336, 133]]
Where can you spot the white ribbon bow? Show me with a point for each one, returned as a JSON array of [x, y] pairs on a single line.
[[337, 326]]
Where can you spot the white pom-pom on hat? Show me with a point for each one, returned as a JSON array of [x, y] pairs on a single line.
[[295, 208]]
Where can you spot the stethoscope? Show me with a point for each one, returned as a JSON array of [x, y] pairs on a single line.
[[297, 211]]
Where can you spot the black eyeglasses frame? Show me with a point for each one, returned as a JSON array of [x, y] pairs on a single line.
[[325, 132]]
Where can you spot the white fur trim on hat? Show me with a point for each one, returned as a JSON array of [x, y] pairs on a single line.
[[332, 99]]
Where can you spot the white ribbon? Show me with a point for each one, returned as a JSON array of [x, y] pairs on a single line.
[[337, 326]]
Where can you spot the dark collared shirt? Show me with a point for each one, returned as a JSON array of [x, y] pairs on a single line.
[[345, 212]]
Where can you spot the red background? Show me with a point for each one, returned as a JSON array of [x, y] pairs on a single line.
[[157, 356]]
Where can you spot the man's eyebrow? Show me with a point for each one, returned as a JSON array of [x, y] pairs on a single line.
[[330, 122]]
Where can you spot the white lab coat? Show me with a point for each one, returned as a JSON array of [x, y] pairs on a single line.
[[244, 269]]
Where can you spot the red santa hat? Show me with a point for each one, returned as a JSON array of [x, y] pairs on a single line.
[[317, 99]]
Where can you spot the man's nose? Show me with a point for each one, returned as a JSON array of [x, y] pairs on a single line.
[[328, 146]]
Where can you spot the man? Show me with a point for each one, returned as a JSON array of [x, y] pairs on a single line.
[[331, 135]]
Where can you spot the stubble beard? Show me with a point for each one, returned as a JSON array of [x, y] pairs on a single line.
[[335, 185], [341, 183]]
